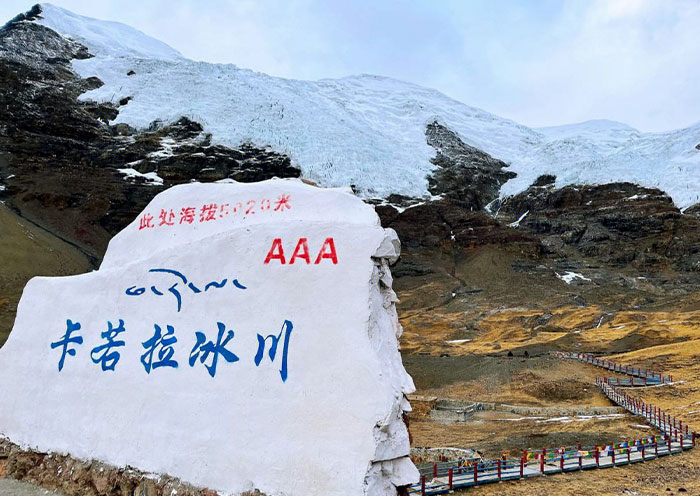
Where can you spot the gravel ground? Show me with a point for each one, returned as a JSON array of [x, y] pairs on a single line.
[[11, 487]]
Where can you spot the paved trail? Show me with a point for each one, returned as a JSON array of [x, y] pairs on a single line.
[[11, 487]]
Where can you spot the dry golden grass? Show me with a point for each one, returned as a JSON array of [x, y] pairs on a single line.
[[570, 328]]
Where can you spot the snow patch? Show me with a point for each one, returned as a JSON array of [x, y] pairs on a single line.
[[168, 146], [152, 178], [582, 418], [517, 222], [569, 277]]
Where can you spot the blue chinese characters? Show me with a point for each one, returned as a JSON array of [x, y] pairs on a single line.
[[159, 349], [66, 340], [203, 349], [287, 330], [106, 355], [164, 344]]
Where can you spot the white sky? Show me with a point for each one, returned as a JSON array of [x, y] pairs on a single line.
[[539, 63]]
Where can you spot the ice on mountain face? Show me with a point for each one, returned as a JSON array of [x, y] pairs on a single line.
[[366, 131], [596, 152], [104, 38]]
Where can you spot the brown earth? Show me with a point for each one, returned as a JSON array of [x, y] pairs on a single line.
[[495, 433], [74, 477]]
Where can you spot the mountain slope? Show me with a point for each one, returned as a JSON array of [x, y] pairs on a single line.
[[368, 131], [26, 251]]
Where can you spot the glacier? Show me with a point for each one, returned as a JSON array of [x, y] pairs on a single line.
[[366, 131]]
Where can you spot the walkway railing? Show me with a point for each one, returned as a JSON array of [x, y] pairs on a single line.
[[641, 377], [676, 437]]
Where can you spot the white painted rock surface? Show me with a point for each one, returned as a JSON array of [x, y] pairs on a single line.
[[319, 414]]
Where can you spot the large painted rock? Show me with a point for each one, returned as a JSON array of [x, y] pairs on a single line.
[[237, 336]]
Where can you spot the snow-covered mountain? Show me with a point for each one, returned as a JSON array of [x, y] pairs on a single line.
[[368, 131]]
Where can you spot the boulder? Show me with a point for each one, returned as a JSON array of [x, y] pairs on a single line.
[[237, 336]]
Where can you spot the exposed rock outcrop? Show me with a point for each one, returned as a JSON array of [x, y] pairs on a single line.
[[466, 175], [619, 224]]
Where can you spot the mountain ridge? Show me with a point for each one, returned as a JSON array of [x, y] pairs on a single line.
[[367, 130]]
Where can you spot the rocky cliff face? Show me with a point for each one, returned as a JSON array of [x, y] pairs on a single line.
[[613, 246], [466, 175], [618, 224]]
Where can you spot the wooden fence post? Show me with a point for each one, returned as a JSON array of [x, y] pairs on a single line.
[[499, 470], [561, 462], [597, 456], [476, 473], [422, 485], [643, 452], [613, 455], [522, 466], [449, 475]]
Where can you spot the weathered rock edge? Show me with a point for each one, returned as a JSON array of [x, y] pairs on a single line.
[[76, 477]]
